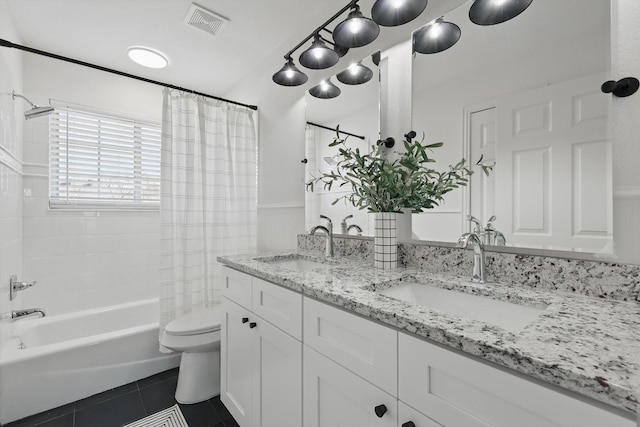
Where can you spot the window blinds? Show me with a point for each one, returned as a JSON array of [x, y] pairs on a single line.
[[98, 161]]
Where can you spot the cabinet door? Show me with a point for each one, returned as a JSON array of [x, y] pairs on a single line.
[[335, 397], [360, 345], [277, 389], [236, 359]]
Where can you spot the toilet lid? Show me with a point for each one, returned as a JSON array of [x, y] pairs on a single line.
[[196, 322]]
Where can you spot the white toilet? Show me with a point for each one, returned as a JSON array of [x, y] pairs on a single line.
[[197, 336]]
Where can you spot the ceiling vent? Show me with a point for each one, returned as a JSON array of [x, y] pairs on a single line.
[[205, 20]]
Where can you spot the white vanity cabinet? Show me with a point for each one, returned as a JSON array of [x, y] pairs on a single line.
[[261, 357], [456, 390]]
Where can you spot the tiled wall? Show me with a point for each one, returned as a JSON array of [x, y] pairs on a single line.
[[10, 168], [82, 260]]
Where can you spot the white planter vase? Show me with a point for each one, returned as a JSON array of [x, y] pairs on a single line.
[[385, 240]]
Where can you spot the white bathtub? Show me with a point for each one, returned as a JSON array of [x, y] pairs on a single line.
[[73, 356]]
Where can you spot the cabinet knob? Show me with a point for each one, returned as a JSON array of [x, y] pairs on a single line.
[[253, 325], [380, 410], [245, 319], [409, 424]]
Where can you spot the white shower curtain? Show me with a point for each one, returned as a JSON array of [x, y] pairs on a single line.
[[208, 204]]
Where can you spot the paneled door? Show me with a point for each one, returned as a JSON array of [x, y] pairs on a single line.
[[553, 166]]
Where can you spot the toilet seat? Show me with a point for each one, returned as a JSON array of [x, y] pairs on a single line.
[[196, 322]]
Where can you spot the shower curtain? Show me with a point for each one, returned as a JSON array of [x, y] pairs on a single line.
[[208, 204]]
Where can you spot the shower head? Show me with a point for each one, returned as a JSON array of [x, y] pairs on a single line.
[[35, 111]]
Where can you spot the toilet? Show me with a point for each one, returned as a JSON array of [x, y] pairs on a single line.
[[197, 336]]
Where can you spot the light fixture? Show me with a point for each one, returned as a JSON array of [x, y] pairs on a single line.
[[325, 90], [391, 13], [147, 57], [491, 12], [435, 37], [356, 30], [289, 75], [319, 56], [35, 111], [354, 75]]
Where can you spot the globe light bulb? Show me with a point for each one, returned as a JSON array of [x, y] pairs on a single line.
[[435, 30]]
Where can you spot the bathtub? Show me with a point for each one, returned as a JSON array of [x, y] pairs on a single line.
[[56, 360]]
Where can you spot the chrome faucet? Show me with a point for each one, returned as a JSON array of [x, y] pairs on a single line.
[[28, 312], [328, 231], [478, 255]]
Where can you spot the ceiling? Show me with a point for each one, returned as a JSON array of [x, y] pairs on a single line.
[[100, 31]]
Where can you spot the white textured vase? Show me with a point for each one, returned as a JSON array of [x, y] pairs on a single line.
[[385, 240]]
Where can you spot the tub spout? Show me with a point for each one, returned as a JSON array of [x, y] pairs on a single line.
[[28, 312]]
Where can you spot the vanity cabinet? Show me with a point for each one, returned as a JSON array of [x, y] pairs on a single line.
[[289, 360], [261, 352]]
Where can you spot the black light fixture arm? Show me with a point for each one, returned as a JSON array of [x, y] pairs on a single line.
[[352, 3], [6, 43]]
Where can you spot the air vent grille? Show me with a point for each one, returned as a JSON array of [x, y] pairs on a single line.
[[205, 20]]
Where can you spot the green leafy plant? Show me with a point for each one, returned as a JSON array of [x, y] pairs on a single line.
[[379, 185]]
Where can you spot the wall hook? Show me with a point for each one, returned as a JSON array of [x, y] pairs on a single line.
[[389, 142], [304, 161], [621, 88]]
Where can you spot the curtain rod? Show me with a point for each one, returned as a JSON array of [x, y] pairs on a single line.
[[335, 130], [6, 43]]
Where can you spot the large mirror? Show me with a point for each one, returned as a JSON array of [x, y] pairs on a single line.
[[525, 94], [356, 112]]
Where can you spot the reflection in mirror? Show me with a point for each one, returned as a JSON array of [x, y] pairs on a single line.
[[525, 94], [356, 111]]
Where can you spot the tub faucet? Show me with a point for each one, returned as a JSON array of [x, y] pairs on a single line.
[[328, 230], [478, 255], [28, 312]]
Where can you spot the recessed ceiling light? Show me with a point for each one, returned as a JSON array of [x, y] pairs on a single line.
[[147, 57]]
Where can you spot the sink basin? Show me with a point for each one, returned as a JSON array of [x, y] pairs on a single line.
[[509, 316], [298, 264]]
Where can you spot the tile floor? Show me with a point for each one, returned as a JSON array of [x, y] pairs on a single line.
[[129, 403]]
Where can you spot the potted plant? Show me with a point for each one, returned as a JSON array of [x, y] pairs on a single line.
[[387, 187]]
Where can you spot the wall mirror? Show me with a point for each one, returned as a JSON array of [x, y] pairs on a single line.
[[525, 94], [356, 111]]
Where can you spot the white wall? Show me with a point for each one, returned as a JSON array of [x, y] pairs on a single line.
[[83, 260], [10, 172]]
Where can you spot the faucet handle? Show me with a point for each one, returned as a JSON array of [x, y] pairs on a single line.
[[476, 221], [327, 218], [490, 223]]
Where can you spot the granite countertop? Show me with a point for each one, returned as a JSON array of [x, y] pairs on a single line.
[[587, 345]]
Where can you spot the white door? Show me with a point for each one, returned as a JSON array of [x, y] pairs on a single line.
[[553, 167], [482, 141], [236, 359], [277, 391], [335, 397]]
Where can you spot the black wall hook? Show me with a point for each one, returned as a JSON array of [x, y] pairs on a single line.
[[389, 142], [621, 88], [410, 135]]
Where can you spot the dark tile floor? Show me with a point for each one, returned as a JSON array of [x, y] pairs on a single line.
[[129, 403]]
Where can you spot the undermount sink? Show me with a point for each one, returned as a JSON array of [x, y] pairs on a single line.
[[509, 316], [298, 264]]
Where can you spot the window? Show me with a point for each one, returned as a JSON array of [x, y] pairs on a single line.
[[102, 161]]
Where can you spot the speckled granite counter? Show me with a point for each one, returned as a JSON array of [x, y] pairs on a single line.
[[587, 345]]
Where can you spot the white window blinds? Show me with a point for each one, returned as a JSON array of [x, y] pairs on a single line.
[[99, 161]]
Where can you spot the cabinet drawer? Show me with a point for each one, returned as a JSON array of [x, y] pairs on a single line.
[[360, 345], [456, 390], [334, 397], [280, 306], [236, 286]]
